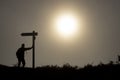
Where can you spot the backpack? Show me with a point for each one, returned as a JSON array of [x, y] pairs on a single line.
[[18, 53]]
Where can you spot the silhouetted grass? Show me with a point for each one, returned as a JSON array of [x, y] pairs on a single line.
[[102, 71]]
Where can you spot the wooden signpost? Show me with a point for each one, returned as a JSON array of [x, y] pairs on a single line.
[[33, 34]]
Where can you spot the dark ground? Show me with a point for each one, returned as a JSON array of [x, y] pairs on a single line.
[[67, 72]]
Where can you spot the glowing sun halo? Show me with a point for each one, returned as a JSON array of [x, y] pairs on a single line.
[[66, 25]]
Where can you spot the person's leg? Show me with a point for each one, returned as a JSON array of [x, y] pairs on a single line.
[[23, 62], [19, 62]]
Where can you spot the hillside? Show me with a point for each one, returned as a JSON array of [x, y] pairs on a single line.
[[100, 72]]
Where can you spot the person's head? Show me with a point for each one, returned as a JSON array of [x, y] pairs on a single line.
[[23, 45]]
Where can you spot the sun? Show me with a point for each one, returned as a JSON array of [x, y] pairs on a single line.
[[66, 25]]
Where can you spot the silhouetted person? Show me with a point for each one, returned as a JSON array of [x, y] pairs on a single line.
[[20, 55]]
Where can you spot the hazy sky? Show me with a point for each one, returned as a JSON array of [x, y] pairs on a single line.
[[97, 41]]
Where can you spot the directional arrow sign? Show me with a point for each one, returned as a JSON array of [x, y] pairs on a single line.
[[30, 34]]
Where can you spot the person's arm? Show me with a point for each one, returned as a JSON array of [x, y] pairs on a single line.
[[29, 48]]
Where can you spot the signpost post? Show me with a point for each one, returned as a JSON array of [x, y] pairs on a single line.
[[33, 34]]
